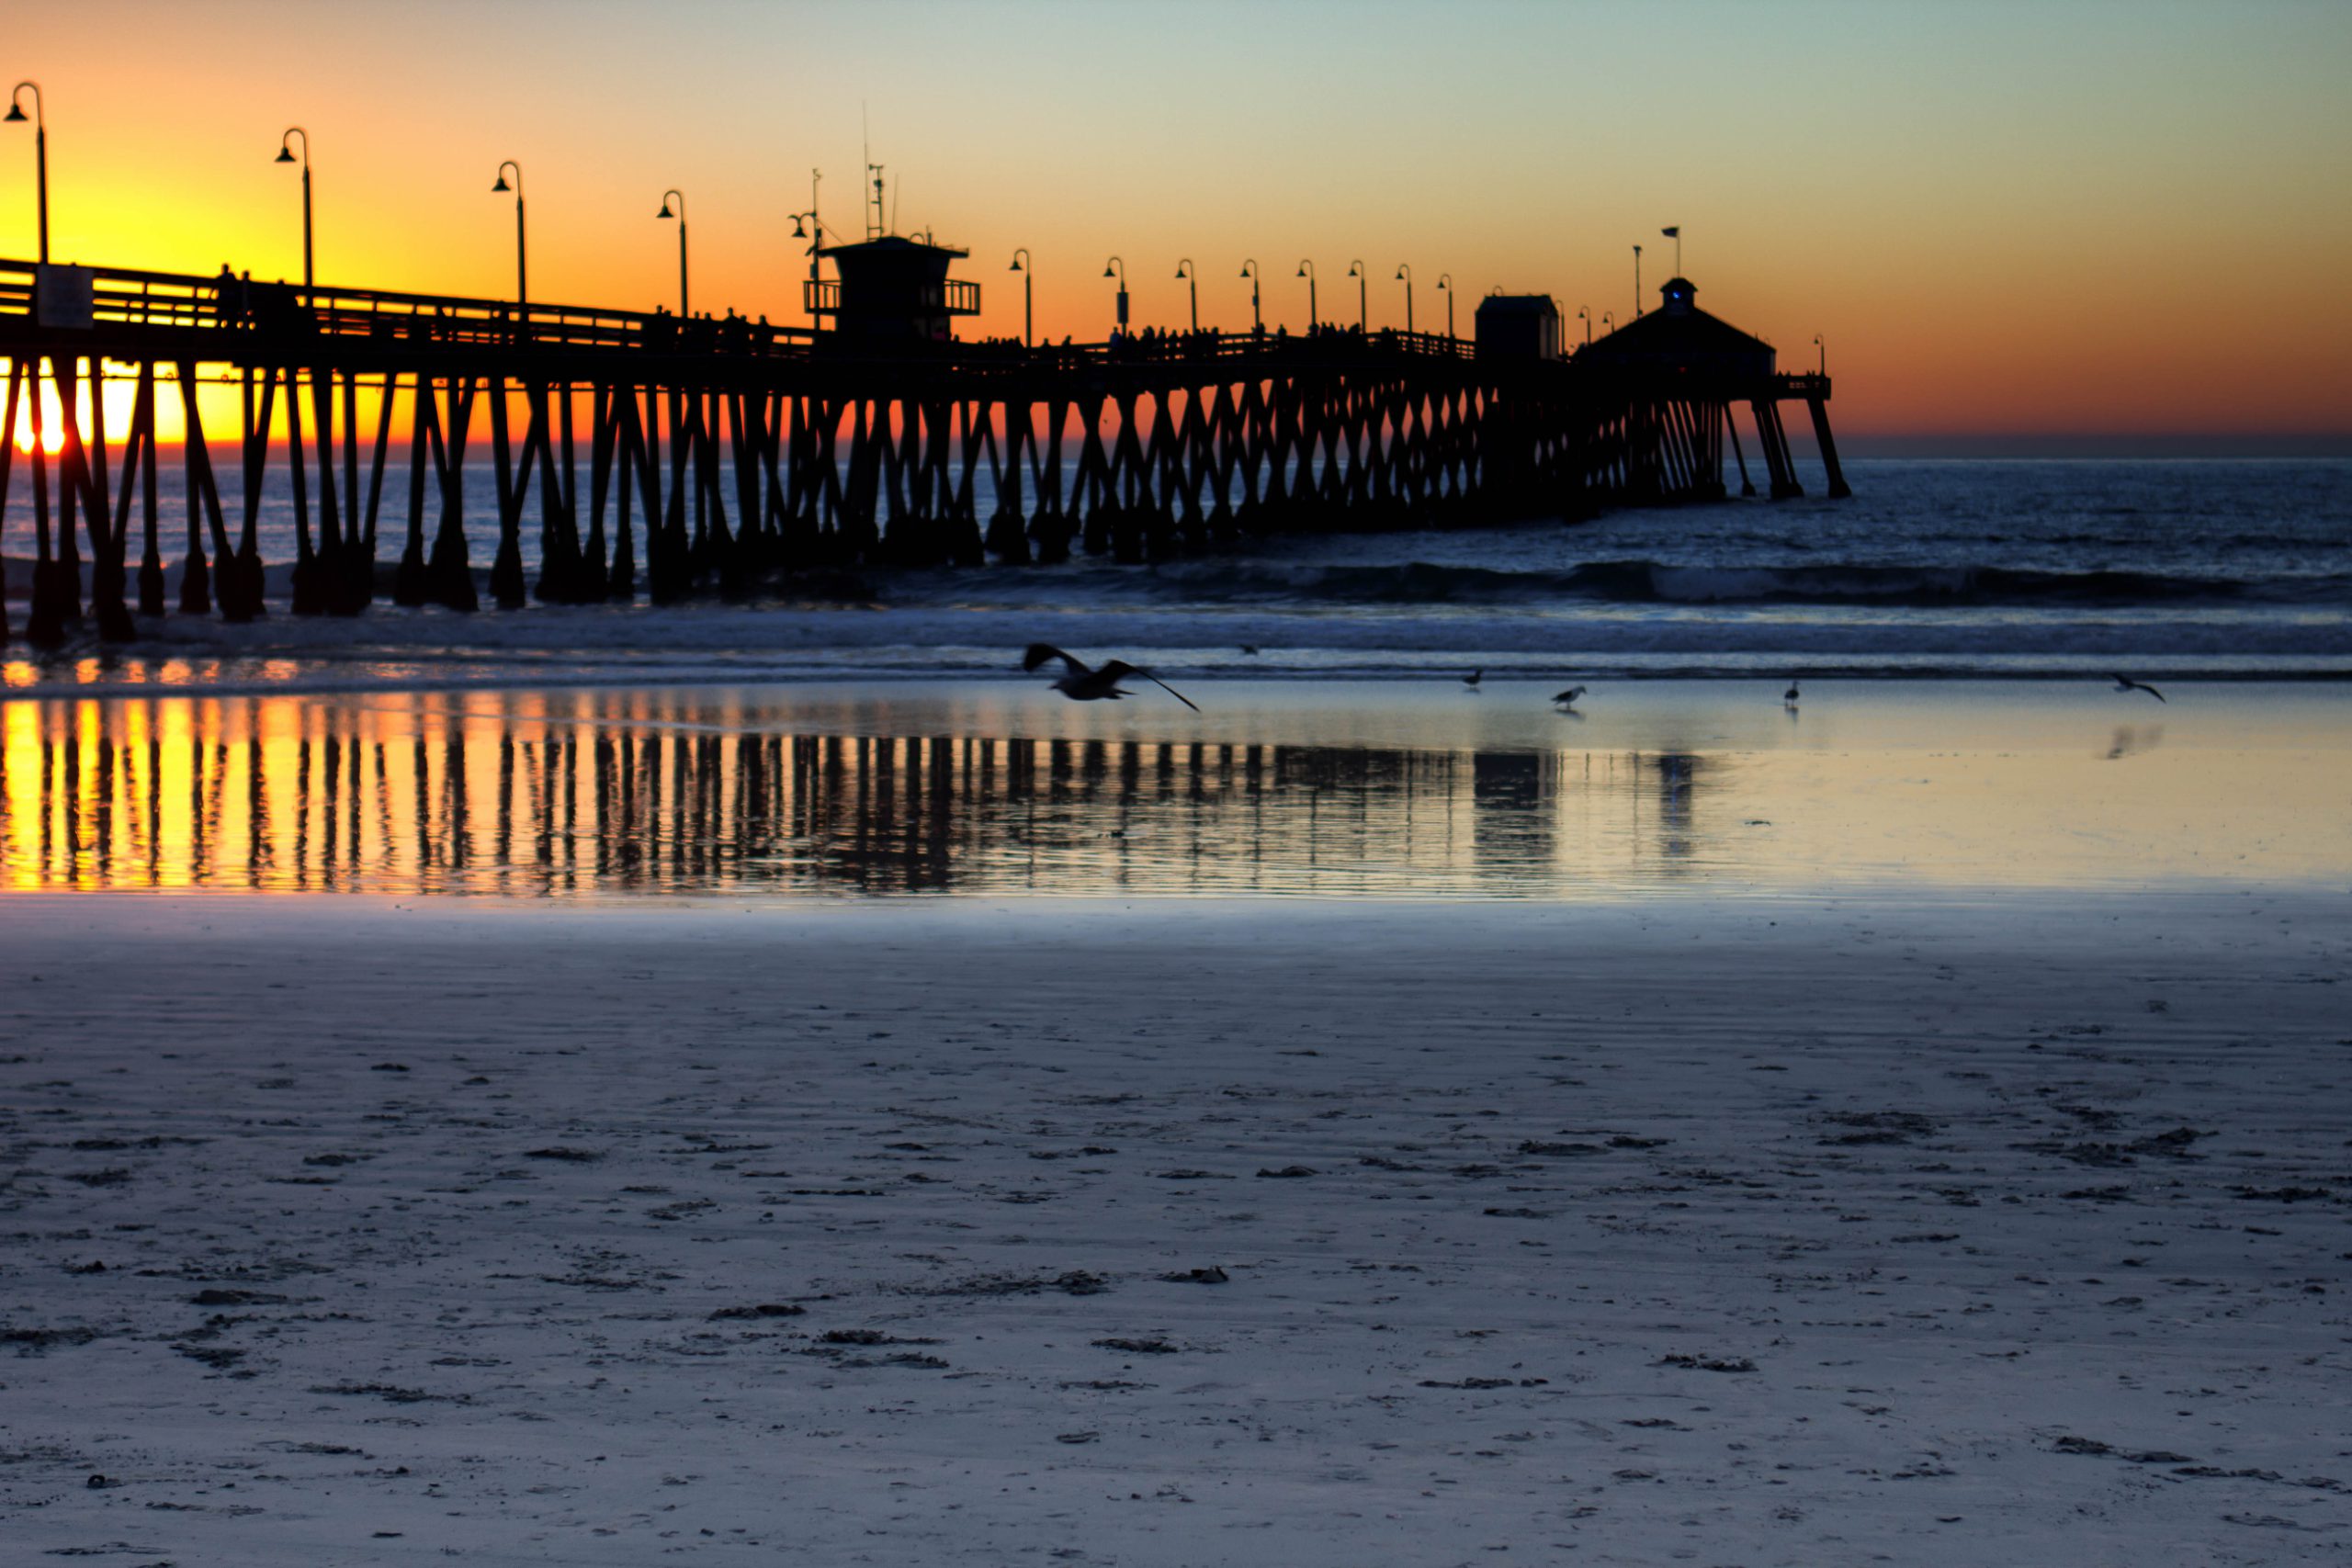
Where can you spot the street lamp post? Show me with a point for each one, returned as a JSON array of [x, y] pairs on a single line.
[[1445, 282], [805, 226], [1405, 272], [1607, 322], [41, 153], [1192, 275], [522, 260], [681, 216], [286, 155], [1821, 366], [1637, 282], [1116, 268], [1584, 314], [1028, 300], [810, 227], [1364, 308], [1314, 317], [1257, 318]]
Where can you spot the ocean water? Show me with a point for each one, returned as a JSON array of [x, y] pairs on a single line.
[[2167, 568]]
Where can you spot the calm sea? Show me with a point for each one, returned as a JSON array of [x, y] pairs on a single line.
[[2167, 569]]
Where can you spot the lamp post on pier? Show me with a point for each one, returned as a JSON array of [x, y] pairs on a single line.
[[1192, 275], [1364, 308], [522, 258], [1314, 317], [286, 155], [1445, 282], [1028, 300], [1584, 314], [806, 226], [681, 216], [1116, 268], [1607, 322], [1637, 282], [1821, 351], [1257, 318], [1405, 272], [814, 232], [41, 152]]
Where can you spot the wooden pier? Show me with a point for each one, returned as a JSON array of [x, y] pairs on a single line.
[[723, 455]]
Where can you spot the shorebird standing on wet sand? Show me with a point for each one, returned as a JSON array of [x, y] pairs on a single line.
[[1085, 685], [1567, 699], [1789, 697], [2125, 683], [1471, 679]]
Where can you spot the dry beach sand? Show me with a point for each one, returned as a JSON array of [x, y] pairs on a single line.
[[1930, 1230]]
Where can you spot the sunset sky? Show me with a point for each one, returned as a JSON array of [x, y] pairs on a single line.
[[2005, 220]]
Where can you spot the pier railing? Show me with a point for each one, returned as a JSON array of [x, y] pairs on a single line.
[[121, 298]]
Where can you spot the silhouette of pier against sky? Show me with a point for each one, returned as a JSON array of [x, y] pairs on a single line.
[[722, 454]]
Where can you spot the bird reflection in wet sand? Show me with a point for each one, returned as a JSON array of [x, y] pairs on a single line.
[[1084, 685]]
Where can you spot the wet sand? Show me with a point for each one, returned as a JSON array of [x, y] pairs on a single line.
[[1350, 789], [1997, 1227]]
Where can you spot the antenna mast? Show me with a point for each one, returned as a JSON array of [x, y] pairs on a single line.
[[874, 228]]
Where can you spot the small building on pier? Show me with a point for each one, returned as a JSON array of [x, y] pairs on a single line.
[[1680, 356], [893, 289], [1680, 338], [1518, 326]]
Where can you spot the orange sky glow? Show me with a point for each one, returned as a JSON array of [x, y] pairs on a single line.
[[2001, 219]]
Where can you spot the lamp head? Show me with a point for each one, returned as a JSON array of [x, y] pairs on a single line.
[[666, 211], [16, 115], [1016, 264], [1302, 269], [501, 185], [285, 154], [1108, 273]]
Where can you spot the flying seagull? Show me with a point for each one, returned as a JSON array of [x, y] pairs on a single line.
[[1086, 685], [2125, 683], [1567, 699], [1790, 696]]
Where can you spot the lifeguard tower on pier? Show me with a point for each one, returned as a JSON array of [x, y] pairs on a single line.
[[892, 289]]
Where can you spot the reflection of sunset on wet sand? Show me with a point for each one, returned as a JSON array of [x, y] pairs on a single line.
[[703, 790]]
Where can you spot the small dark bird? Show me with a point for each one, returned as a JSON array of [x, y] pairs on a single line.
[[1471, 679], [1567, 699], [2125, 683], [1249, 647], [1790, 696], [1085, 685]]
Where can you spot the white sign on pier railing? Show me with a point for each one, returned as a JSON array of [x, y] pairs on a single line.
[[62, 296]]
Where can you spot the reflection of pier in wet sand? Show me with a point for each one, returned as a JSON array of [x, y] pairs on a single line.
[[277, 793]]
